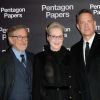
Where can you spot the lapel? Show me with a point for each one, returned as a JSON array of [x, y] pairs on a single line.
[[9, 67], [80, 52], [29, 62], [95, 45], [10, 61], [29, 58], [94, 48]]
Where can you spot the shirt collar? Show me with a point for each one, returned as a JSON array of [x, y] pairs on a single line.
[[18, 53], [90, 40]]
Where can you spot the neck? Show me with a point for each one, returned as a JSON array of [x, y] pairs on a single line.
[[87, 38], [55, 50]]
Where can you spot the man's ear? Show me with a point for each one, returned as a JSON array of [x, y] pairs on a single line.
[[95, 24], [77, 26], [10, 39]]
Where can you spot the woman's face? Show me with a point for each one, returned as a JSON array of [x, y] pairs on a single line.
[[55, 38]]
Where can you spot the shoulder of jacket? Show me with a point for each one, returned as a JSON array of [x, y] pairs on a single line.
[[40, 54]]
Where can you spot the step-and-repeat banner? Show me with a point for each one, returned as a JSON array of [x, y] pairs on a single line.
[[37, 14]]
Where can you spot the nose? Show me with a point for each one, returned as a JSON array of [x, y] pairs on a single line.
[[86, 24]]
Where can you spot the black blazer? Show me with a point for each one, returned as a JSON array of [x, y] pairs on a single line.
[[88, 75], [7, 71]]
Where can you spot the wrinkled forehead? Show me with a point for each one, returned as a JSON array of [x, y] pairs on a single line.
[[20, 31], [85, 16], [56, 31]]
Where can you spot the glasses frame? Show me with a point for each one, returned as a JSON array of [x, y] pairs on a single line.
[[19, 37], [60, 37]]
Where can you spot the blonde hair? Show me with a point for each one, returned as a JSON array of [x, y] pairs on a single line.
[[54, 25]]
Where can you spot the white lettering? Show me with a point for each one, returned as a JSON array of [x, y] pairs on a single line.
[[3, 30], [3, 36], [57, 8], [92, 6], [57, 15], [13, 10]]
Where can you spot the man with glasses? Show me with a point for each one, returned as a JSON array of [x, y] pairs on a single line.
[[16, 66]]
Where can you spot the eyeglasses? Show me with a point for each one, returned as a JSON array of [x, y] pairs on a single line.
[[60, 37], [19, 37]]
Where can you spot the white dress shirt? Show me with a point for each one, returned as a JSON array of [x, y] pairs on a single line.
[[90, 44]]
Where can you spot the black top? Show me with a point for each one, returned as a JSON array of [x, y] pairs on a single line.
[[53, 74]]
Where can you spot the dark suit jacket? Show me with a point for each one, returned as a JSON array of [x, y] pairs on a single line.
[[88, 75], [7, 72]]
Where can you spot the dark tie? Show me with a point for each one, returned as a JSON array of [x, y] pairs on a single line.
[[23, 60], [86, 51]]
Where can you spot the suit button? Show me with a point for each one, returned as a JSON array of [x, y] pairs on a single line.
[[79, 92], [70, 97], [57, 89], [69, 76], [70, 86]]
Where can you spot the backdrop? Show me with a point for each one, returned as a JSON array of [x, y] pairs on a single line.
[[37, 14]]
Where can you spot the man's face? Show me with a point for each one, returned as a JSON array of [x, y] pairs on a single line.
[[86, 24], [55, 39], [19, 40]]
